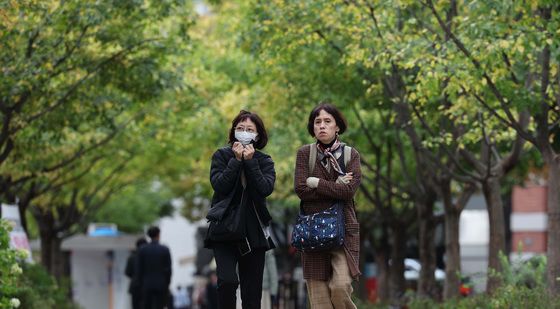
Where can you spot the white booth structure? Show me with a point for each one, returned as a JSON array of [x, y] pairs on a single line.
[[97, 270]]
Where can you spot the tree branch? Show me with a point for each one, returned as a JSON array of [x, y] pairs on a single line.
[[80, 81], [511, 160], [98, 144], [493, 88]]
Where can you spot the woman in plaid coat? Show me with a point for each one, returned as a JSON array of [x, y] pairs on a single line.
[[329, 274]]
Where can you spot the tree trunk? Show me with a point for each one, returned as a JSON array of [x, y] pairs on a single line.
[[382, 276], [58, 260], [452, 253], [45, 222], [46, 253], [381, 252], [52, 257], [427, 286], [452, 214], [491, 189], [553, 246], [51, 253], [396, 274]]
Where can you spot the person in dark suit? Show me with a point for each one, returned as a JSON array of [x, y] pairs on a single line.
[[153, 267], [134, 287]]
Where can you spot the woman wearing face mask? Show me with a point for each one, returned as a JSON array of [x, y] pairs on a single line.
[[329, 274], [245, 175]]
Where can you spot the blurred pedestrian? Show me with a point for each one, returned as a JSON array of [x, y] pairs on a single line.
[[288, 292], [181, 299], [154, 271], [270, 281], [211, 294], [134, 285]]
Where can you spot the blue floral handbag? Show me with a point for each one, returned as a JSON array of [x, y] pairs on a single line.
[[324, 230], [320, 231]]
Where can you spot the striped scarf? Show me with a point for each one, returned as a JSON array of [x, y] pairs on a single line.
[[328, 155]]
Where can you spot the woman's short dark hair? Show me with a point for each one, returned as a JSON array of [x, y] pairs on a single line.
[[331, 109], [262, 138]]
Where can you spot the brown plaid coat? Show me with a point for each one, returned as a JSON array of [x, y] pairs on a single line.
[[317, 266]]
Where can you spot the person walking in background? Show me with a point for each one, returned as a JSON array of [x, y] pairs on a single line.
[[288, 292], [181, 299], [242, 176], [134, 285], [211, 295], [270, 281], [153, 267], [329, 274]]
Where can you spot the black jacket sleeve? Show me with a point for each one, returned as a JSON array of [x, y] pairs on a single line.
[[138, 267], [261, 174], [130, 265], [224, 171], [168, 266]]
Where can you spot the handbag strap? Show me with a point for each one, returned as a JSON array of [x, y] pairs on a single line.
[[264, 228]]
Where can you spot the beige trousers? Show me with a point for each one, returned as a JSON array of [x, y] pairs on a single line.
[[266, 302], [336, 293]]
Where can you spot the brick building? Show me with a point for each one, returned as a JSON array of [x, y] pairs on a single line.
[[529, 220]]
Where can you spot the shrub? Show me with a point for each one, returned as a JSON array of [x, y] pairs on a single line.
[[38, 289], [524, 286], [524, 272], [10, 270], [509, 296], [24, 285]]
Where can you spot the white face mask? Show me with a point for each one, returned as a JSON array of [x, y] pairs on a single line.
[[244, 137]]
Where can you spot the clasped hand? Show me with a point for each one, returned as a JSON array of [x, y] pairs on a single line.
[[243, 152], [313, 182], [344, 179]]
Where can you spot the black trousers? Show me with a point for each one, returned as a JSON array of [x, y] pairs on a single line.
[[251, 266], [136, 299], [154, 299]]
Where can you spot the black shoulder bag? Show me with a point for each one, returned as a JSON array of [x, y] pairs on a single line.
[[227, 221]]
